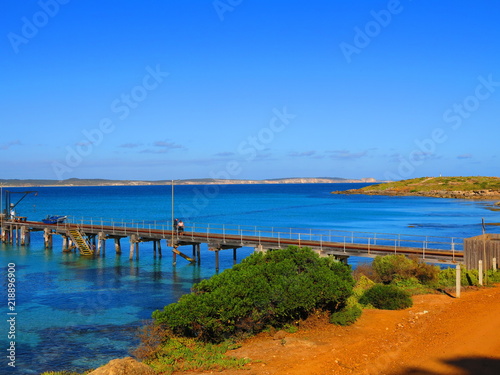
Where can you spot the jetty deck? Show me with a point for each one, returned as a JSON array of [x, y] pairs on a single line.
[[89, 236]]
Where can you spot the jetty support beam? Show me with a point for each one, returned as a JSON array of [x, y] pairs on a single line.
[[118, 246], [47, 237], [134, 246], [23, 235], [101, 243]]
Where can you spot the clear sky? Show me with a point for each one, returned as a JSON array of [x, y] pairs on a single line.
[[249, 89]]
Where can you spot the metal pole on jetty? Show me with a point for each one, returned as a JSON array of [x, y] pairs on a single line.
[[172, 222], [1, 199]]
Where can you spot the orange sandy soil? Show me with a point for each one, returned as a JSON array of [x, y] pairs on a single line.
[[438, 335]]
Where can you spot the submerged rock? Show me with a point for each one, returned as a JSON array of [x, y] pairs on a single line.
[[124, 366]]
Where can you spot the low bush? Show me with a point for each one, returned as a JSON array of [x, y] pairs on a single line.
[[493, 276], [447, 277], [390, 268], [266, 289], [347, 316], [363, 283], [386, 297], [188, 354], [413, 286], [364, 270], [152, 337], [65, 373]]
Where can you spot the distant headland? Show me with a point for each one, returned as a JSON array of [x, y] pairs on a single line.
[[197, 181], [475, 187]]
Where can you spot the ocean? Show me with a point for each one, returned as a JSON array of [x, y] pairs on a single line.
[[76, 313]]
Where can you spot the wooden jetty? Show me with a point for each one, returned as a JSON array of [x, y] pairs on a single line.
[[89, 236]]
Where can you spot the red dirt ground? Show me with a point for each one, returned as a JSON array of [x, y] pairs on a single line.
[[438, 335]]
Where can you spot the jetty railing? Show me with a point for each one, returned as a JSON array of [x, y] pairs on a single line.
[[326, 236]]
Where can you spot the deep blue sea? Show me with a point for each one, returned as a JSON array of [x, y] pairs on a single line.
[[75, 313]]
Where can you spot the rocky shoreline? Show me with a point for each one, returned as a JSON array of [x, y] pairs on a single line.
[[456, 194]]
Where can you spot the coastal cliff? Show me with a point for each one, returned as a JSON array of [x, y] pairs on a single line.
[[197, 181], [486, 188]]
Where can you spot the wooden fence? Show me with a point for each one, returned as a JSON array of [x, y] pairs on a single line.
[[485, 247]]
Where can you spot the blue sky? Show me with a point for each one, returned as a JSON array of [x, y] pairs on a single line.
[[249, 89]]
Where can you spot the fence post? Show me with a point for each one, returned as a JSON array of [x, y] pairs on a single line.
[[480, 272], [458, 281], [494, 264]]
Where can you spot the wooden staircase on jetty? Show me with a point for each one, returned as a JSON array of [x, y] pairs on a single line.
[[80, 242], [188, 258]]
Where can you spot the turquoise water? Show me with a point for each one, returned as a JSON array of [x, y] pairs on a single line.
[[75, 313]]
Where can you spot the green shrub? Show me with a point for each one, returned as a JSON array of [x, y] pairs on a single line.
[[362, 284], [266, 289], [65, 373], [447, 277], [412, 286], [347, 316], [386, 297], [493, 276], [188, 354], [426, 274], [364, 270], [390, 268]]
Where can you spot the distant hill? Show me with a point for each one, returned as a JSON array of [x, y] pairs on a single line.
[[198, 181], [475, 187]]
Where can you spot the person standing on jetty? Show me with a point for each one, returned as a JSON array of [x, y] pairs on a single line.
[[180, 227], [176, 225]]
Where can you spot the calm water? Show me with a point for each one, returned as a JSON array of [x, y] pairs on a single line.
[[75, 313]]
